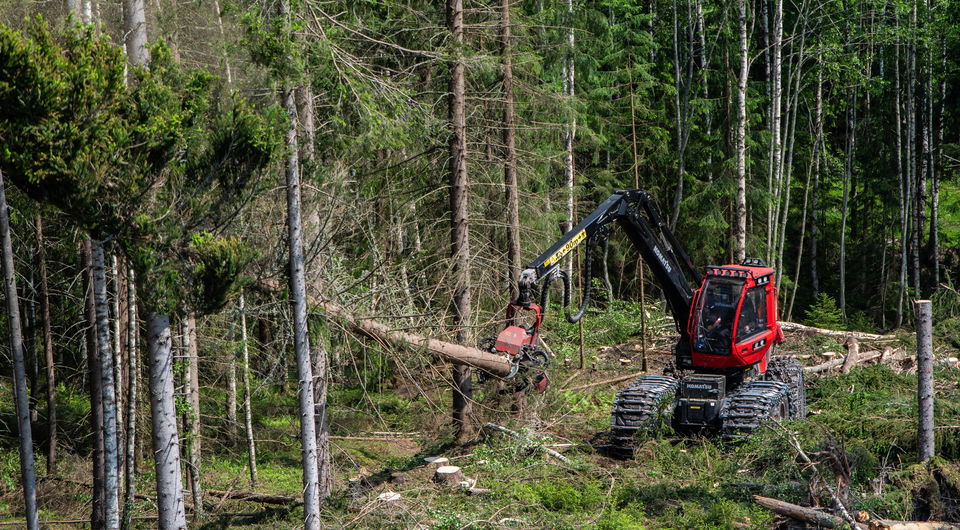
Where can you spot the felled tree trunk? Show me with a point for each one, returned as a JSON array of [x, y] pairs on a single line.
[[454, 353]]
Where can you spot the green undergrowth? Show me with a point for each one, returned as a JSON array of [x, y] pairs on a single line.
[[866, 416]]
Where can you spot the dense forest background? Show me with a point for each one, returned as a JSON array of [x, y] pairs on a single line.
[[817, 135]]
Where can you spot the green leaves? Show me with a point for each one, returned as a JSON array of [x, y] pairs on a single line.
[[143, 164]]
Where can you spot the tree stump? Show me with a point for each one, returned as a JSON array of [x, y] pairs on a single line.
[[436, 461], [449, 476]]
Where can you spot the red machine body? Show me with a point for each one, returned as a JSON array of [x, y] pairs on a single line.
[[733, 318], [513, 338]]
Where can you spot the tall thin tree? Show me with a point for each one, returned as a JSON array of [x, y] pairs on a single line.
[[459, 221], [22, 406]]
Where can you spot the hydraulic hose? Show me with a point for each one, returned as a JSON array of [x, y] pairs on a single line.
[[545, 290]]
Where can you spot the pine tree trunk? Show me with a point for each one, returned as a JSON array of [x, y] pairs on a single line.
[[111, 514], [130, 460], [193, 415], [740, 230], [510, 156], [25, 434], [166, 442], [298, 301], [96, 390], [459, 223], [47, 349], [247, 412]]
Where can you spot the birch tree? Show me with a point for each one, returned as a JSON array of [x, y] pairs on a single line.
[[740, 138]]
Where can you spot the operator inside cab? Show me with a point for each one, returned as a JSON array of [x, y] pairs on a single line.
[[717, 313]]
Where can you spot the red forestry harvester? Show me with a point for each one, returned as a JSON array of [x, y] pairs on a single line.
[[724, 378]]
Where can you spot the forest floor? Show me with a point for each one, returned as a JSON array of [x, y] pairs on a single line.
[[861, 430]]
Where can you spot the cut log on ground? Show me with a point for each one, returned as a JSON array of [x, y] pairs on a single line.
[[494, 364], [250, 496], [883, 524], [800, 513], [859, 335], [887, 355], [449, 476], [853, 353]]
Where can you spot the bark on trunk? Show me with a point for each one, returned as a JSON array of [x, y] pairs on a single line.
[[166, 443], [740, 231], [25, 434], [117, 351], [96, 389], [193, 415], [454, 353], [130, 460], [459, 222], [247, 413], [48, 350], [298, 301], [925, 438], [111, 469], [510, 156], [135, 29]]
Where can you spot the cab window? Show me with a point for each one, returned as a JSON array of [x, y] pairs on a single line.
[[717, 313], [753, 314]]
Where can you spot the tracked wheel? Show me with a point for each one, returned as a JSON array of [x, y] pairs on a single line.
[[641, 406], [788, 370], [753, 405]]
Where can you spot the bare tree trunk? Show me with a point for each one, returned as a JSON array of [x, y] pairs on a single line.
[[130, 460], [914, 178], [166, 442], [776, 149], [925, 392], [570, 133], [111, 514], [117, 368], [847, 175], [322, 418], [25, 434], [96, 389], [740, 230], [510, 156], [903, 182], [87, 12], [223, 37], [193, 415], [459, 223], [298, 301], [247, 413], [305, 113], [47, 349], [232, 396], [135, 28], [680, 118]]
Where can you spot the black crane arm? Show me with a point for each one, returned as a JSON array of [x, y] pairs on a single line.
[[639, 217]]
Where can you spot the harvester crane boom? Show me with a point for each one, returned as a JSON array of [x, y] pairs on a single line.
[[638, 216]]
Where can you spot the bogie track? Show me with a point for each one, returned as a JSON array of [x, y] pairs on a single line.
[[642, 405]]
